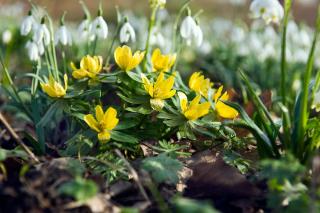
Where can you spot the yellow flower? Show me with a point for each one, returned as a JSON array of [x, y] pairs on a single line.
[[55, 89], [160, 90], [199, 84], [125, 60], [89, 67], [194, 110], [222, 109], [103, 122], [162, 63]]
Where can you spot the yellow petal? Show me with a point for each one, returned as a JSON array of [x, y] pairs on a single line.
[[183, 101], [226, 111], [147, 85], [92, 122], [73, 66], [123, 57], [79, 74], [110, 119], [218, 94], [49, 90], [65, 78], [99, 113]]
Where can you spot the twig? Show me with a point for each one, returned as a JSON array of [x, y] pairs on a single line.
[[134, 175], [17, 138]]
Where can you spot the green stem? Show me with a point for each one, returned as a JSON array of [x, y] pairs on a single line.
[[176, 24], [151, 25], [283, 66], [304, 112], [9, 81], [112, 45], [94, 45]]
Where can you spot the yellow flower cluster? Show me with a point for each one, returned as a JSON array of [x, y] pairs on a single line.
[[104, 122], [202, 85]]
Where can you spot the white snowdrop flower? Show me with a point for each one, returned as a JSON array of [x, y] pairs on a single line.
[[198, 36], [84, 29], [127, 33], [157, 38], [6, 37], [191, 31], [63, 36], [268, 10], [33, 51], [42, 34], [27, 24], [188, 26], [100, 27], [40, 48]]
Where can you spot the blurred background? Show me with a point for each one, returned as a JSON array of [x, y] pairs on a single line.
[[304, 10]]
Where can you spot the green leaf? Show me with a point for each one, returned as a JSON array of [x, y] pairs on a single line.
[[49, 114], [135, 100], [163, 168], [3, 154], [265, 147], [80, 189], [185, 205], [122, 137], [145, 110], [127, 124]]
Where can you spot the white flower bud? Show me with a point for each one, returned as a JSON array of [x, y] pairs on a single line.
[[42, 34], [6, 37], [27, 25], [84, 29], [100, 28], [191, 31], [127, 33], [63, 36], [33, 51]]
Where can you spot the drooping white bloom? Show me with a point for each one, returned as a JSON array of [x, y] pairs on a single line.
[[191, 31], [40, 48], [100, 28], [33, 50], [157, 38], [42, 34], [6, 36], [127, 33], [27, 24], [63, 36], [268, 10], [84, 29]]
